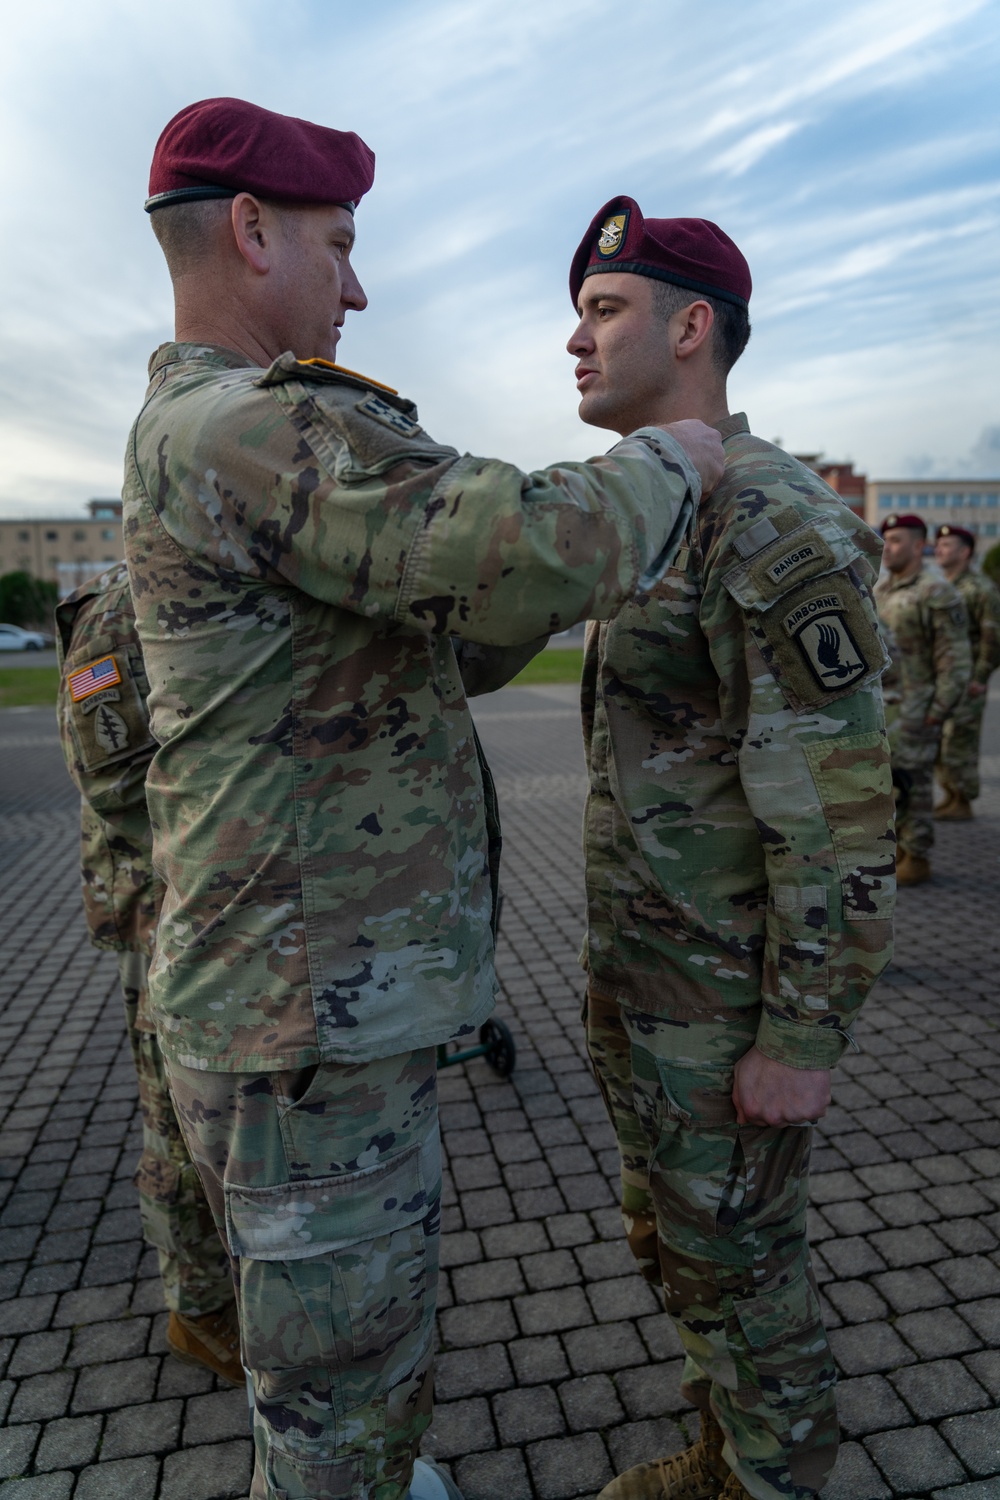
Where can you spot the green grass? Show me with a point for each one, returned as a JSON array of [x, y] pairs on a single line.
[[560, 664], [22, 687]]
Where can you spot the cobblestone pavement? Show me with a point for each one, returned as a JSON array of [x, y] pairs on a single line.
[[556, 1368]]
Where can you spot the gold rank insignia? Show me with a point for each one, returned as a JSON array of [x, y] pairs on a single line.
[[612, 235]]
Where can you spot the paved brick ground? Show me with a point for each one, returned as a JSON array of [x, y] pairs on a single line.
[[555, 1367]]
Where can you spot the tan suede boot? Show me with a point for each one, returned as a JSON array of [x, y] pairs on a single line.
[[957, 809], [695, 1474], [734, 1489], [212, 1340], [912, 869]]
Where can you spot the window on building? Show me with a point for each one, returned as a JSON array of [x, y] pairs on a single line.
[[974, 500], [957, 500], [24, 536], [991, 528], [109, 559], [940, 501], [885, 502], [107, 535], [992, 501], [52, 536], [921, 502]]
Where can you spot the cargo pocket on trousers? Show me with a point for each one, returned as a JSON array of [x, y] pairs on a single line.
[[789, 1354], [338, 1272], [296, 1478], [697, 1172]]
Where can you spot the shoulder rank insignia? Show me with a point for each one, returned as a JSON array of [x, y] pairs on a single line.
[[380, 411], [93, 678]]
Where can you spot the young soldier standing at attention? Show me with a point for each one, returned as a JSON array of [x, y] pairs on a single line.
[[740, 856], [958, 756]]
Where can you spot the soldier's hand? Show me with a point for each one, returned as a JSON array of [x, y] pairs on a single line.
[[766, 1092], [703, 446]]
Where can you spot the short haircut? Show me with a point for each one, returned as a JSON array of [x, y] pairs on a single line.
[[185, 231], [730, 331]]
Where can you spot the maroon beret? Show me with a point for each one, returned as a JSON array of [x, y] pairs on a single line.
[[968, 537], [220, 147], [692, 253], [905, 523]]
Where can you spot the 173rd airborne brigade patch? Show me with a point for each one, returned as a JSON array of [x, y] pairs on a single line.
[[612, 235]]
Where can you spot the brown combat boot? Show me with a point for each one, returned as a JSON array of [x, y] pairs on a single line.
[[734, 1489], [212, 1340], [695, 1474], [957, 809], [912, 869]]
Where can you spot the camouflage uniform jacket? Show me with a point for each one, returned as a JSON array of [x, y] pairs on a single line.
[[929, 626], [738, 832], [104, 728], [982, 604], [301, 554]]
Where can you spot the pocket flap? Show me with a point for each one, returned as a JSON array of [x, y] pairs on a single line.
[[299, 1219], [812, 550]]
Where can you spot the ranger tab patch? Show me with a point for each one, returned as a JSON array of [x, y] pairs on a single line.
[[380, 411], [612, 235], [820, 630], [93, 678]]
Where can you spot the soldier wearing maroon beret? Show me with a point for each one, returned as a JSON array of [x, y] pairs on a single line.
[[734, 733], [958, 757], [303, 557]]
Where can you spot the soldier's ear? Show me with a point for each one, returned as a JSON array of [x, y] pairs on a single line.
[[251, 232], [693, 328]]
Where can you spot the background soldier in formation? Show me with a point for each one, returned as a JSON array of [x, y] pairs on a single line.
[[104, 726], [958, 757], [928, 624], [300, 554], [739, 863]]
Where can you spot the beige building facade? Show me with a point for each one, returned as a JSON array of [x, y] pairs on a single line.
[[972, 503], [65, 551]]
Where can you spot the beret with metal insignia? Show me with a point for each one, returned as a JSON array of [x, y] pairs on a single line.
[[906, 523], [220, 147], [968, 537], [692, 253]]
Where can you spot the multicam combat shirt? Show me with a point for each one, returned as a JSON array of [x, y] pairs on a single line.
[[300, 554], [929, 627], [739, 843], [104, 728]]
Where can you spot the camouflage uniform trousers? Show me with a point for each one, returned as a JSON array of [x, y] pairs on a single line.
[[914, 752], [715, 1214], [327, 1184], [176, 1219], [958, 756]]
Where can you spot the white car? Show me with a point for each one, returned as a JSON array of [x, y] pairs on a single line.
[[13, 638]]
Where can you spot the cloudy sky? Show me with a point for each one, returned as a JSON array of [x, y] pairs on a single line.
[[850, 148]]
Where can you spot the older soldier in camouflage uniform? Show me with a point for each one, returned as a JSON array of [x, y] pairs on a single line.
[[958, 757], [301, 554], [739, 864], [927, 621], [104, 726]]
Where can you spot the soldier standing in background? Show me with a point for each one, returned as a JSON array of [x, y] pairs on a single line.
[[958, 756], [928, 624], [739, 864], [104, 728], [301, 554]]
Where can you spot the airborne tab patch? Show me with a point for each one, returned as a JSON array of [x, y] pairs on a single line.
[[93, 678], [380, 411]]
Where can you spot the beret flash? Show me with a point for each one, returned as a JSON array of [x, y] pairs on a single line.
[[692, 253], [968, 537], [220, 147], [904, 523]]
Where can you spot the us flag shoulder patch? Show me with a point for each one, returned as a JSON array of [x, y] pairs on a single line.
[[102, 673]]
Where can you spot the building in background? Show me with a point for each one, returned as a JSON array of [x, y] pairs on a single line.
[[65, 552], [840, 476], [972, 503]]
